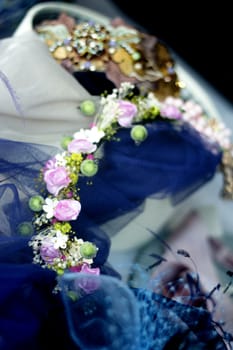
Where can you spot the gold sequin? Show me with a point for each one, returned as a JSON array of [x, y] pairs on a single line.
[[124, 60], [60, 53]]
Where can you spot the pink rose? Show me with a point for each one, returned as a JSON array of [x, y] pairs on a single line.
[[128, 111], [81, 146], [88, 284], [171, 112], [48, 253], [67, 209], [56, 179], [50, 164], [75, 268]]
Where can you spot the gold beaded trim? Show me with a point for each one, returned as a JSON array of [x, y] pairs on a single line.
[[91, 46]]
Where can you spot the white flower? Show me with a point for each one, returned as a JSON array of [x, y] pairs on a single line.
[[124, 89], [94, 135], [59, 240], [60, 159], [81, 134], [74, 251], [152, 101], [49, 206], [79, 241], [108, 115], [88, 261]]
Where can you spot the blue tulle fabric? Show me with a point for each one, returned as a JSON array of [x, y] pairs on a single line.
[[105, 314], [170, 163], [173, 162]]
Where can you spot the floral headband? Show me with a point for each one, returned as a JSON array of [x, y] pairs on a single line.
[[55, 245]]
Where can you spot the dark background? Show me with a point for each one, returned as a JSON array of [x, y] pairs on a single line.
[[200, 33]]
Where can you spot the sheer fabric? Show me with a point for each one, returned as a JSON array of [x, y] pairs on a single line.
[[171, 163], [32, 312]]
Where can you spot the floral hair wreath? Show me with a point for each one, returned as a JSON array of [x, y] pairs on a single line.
[[55, 245]]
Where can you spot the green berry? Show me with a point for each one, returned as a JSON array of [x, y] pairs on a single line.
[[88, 108], [136, 56], [65, 141], [88, 250], [36, 203], [25, 228], [60, 271], [88, 167], [139, 133], [72, 295]]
